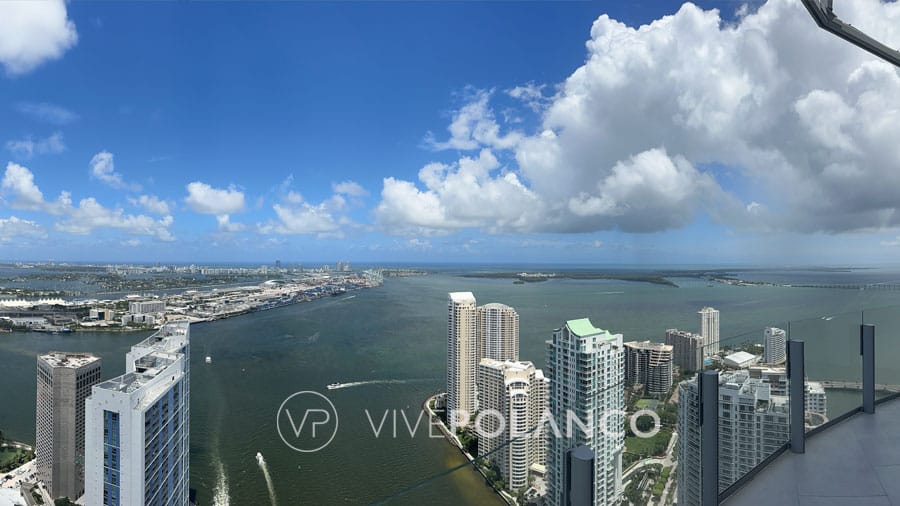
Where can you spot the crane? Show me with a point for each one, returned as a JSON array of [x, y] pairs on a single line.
[[823, 13]]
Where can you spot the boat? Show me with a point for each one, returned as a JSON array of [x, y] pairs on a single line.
[[333, 386], [208, 359]]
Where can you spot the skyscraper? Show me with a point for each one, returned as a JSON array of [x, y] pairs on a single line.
[[688, 474], [687, 349], [774, 340], [709, 329], [586, 369], [136, 439], [753, 424], [513, 399], [461, 356], [64, 381], [497, 332], [649, 364]]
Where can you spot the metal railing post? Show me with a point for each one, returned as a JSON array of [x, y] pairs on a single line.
[[867, 350], [709, 437], [797, 386]]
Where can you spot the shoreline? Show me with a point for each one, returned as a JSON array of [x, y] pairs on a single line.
[[453, 440]]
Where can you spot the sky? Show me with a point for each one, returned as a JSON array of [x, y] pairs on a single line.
[[649, 132]]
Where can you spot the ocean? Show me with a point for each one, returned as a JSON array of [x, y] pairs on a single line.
[[392, 341]]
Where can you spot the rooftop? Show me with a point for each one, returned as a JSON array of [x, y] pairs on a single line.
[[583, 327], [855, 462], [68, 360], [462, 296], [647, 345]]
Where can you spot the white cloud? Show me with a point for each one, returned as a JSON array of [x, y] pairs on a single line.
[[531, 94], [16, 229], [46, 113], [91, 215], [103, 167], [810, 121], [226, 225], [19, 181], [29, 146], [473, 192], [891, 243], [205, 199], [87, 216], [152, 204], [32, 33], [473, 126], [350, 189]]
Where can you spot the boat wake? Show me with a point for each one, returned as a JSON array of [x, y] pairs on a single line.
[[265, 469], [220, 496], [338, 386]]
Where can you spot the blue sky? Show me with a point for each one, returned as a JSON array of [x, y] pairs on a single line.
[[228, 131]]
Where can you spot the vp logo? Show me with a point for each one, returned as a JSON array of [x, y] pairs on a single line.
[[307, 421]]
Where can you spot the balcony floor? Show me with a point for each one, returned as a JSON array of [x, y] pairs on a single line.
[[856, 462]]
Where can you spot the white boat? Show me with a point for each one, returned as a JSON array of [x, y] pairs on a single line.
[[208, 359], [333, 386]]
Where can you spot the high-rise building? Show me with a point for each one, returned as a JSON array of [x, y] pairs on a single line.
[[497, 332], [513, 400], [688, 475], [649, 364], [138, 424], [64, 381], [687, 349], [816, 400], [753, 424], [774, 340], [586, 369], [462, 357], [709, 329]]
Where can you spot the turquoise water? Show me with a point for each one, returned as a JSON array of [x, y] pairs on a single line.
[[398, 332]]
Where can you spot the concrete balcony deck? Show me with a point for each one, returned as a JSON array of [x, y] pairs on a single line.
[[856, 462]]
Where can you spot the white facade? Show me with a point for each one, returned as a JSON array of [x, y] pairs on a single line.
[[586, 369], [136, 438], [816, 400], [709, 329], [740, 360], [497, 332], [649, 364], [462, 357], [774, 343], [753, 424], [513, 399], [147, 306]]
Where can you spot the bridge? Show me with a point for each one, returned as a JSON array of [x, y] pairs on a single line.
[[857, 385]]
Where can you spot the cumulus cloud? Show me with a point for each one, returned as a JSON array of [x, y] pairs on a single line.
[[473, 192], [205, 199], [18, 182], [226, 225], [473, 126], [32, 33], [103, 168], [626, 140], [29, 146], [90, 215], [16, 229], [151, 203]]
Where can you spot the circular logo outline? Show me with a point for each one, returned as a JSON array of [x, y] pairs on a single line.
[[278, 421]]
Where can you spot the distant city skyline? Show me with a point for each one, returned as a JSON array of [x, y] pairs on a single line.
[[466, 131]]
